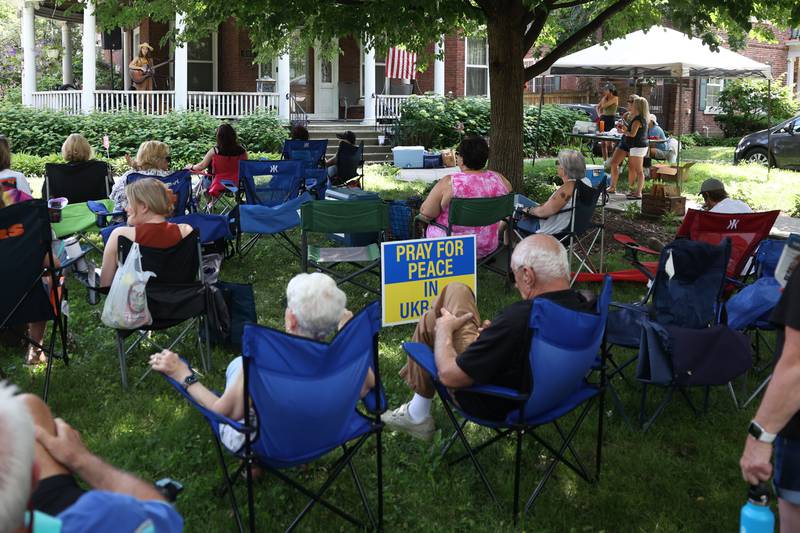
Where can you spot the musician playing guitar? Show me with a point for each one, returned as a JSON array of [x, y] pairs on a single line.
[[141, 69]]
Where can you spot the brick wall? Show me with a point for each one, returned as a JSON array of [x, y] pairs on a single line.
[[235, 67], [454, 65]]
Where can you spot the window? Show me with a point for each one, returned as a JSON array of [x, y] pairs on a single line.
[[710, 88], [552, 84], [476, 79], [203, 64]]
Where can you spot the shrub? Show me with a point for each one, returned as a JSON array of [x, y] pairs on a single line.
[[189, 134], [262, 131], [744, 104], [696, 139], [540, 181], [436, 122]]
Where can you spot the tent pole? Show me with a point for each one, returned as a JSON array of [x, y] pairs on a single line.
[[538, 120], [680, 122], [769, 125]]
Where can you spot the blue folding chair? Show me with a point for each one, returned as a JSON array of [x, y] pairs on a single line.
[[279, 184], [306, 396], [312, 154], [749, 310], [564, 346], [179, 182]]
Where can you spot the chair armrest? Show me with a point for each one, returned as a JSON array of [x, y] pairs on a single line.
[[631, 244], [211, 416], [423, 356], [496, 391]]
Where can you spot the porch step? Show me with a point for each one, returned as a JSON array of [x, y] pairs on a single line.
[[373, 152]]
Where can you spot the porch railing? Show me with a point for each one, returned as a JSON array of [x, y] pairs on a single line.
[[67, 101], [387, 106], [231, 105], [148, 102]]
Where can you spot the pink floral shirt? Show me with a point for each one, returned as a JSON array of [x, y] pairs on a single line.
[[486, 184]]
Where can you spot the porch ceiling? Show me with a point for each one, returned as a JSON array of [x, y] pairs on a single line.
[[52, 11]]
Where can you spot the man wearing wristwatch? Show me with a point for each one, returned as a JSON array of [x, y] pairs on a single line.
[[777, 421]]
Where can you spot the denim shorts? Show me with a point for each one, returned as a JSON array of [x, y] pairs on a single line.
[[786, 477]]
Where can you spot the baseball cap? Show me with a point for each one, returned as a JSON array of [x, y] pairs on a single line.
[[712, 184], [653, 118], [348, 136]]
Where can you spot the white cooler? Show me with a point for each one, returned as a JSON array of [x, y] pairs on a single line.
[[408, 156]]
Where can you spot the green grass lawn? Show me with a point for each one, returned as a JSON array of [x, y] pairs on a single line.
[[682, 475], [721, 154]]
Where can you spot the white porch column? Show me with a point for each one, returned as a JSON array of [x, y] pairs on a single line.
[[126, 59], [284, 86], [181, 68], [438, 69], [89, 58], [369, 86], [66, 58], [28, 55], [790, 73]]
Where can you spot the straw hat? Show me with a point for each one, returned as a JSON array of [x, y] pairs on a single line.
[[145, 46]]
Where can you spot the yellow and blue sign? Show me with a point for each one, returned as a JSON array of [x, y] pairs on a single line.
[[413, 273]]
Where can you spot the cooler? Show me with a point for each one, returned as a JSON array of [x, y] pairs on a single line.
[[350, 194], [408, 156], [596, 174]]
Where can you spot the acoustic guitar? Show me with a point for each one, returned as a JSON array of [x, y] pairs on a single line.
[[140, 74]]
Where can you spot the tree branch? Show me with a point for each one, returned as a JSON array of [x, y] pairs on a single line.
[[571, 3], [535, 28], [551, 57]]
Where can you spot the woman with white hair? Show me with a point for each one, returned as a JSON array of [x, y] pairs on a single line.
[[315, 308], [554, 215]]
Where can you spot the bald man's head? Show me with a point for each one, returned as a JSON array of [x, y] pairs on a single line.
[[545, 256]]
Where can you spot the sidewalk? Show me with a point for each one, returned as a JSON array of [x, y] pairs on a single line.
[[782, 228]]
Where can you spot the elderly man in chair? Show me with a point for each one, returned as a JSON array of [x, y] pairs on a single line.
[[469, 351]]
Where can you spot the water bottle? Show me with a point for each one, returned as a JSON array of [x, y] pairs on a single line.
[[756, 516]]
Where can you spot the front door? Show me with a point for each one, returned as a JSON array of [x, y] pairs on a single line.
[[326, 87]]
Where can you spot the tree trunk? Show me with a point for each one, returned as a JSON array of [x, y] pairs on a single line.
[[504, 24]]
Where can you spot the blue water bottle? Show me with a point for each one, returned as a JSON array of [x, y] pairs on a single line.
[[756, 516]]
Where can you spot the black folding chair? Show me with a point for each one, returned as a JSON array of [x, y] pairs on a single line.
[[177, 294], [77, 182], [27, 269]]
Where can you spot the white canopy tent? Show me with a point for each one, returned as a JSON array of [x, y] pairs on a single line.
[[658, 53]]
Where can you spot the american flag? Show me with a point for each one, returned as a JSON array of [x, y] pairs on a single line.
[[401, 63]]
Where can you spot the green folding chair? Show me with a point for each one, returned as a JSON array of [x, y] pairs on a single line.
[[337, 217], [477, 212]]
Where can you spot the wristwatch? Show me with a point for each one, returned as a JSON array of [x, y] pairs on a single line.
[[759, 433], [190, 380]]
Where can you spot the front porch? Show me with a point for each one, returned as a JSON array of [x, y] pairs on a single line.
[[209, 76]]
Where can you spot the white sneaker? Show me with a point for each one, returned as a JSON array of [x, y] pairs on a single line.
[[400, 420]]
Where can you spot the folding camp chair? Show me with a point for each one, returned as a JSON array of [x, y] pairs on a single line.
[[559, 364], [749, 310], [350, 167], [681, 340], [312, 154], [175, 295], [585, 201], [305, 394], [278, 189], [77, 182], [745, 230], [26, 249], [338, 217], [481, 212]]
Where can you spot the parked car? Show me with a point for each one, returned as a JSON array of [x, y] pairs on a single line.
[[785, 151]]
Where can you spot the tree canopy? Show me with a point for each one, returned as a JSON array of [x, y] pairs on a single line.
[[548, 28]]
